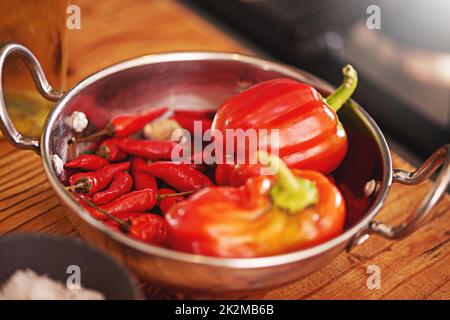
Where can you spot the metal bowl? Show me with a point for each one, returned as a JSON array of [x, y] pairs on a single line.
[[205, 80]]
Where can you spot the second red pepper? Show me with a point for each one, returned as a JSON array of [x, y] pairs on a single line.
[[150, 149], [182, 177], [266, 216], [121, 184], [309, 131]]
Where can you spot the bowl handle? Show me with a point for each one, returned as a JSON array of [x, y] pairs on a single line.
[[438, 158], [6, 125]]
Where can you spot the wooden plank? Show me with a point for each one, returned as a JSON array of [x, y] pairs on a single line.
[[416, 267], [116, 30]]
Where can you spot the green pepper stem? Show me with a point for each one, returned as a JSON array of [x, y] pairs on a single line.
[[337, 99], [286, 179], [289, 193]]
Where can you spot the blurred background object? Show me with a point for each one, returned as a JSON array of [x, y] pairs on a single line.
[[41, 27], [404, 66]]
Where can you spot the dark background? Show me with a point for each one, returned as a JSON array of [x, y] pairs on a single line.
[[404, 70]]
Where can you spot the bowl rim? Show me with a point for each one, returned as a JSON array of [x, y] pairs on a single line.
[[237, 263]]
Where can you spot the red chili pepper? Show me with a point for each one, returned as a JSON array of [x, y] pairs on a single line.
[[87, 162], [267, 216], [166, 203], [121, 184], [123, 216], [199, 167], [310, 134], [80, 197], [124, 125], [235, 174], [142, 179], [109, 150], [146, 227], [180, 176], [198, 114], [84, 200], [149, 228], [95, 181], [150, 149], [188, 123], [137, 201]]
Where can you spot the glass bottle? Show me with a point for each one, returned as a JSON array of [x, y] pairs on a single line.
[[39, 25]]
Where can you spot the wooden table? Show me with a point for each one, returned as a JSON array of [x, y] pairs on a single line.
[[415, 268]]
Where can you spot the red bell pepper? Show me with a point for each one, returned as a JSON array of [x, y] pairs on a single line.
[[268, 215], [310, 134]]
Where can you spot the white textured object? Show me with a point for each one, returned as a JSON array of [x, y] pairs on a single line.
[[160, 129], [77, 121], [58, 164], [28, 285]]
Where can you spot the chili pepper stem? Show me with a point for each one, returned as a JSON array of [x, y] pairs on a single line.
[[103, 151], [168, 195], [337, 99], [107, 131], [124, 226], [78, 186], [72, 188]]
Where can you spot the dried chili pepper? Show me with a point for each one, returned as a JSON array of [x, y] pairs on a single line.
[[85, 201], [188, 123], [87, 162], [142, 179], [166, 203], [150, 149], [198, 114], [120, 184], [109, 150], [309, 131], [269, 215], [94, 181], [137, 201], [134, 201], [146, 227], [124, 125], [123, 216], [180, 176], [149, 228]]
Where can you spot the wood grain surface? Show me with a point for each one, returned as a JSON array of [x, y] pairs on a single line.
[[416, 267]]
